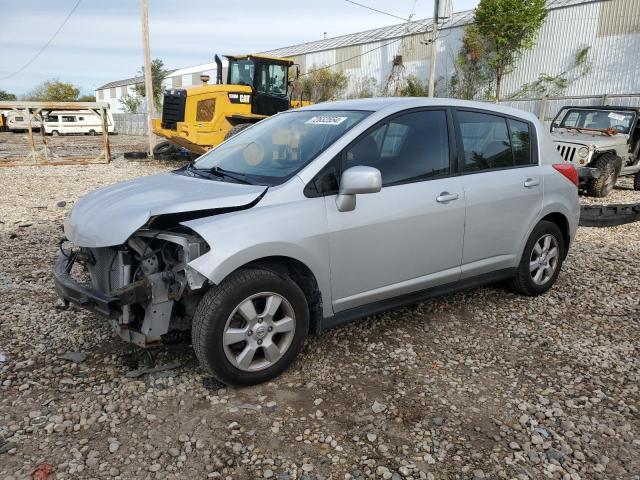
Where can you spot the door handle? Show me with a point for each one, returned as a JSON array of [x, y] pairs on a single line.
[[446, 197], [531, 182]]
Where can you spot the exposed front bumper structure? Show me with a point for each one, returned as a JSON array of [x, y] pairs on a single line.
[[108, 305]]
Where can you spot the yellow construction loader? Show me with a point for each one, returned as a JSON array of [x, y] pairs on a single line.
[[200, 117]]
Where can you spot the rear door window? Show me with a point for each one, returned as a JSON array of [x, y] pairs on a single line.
[[520, 142], [485, 140]]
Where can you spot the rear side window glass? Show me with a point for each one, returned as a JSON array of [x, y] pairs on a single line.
[[485, 139], [520, 142], [410, 147], [68, 119]]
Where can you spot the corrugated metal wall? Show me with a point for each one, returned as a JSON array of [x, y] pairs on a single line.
[[611, 28], [604, 26]]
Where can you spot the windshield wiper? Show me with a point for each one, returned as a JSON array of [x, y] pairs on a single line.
[[222, 173]]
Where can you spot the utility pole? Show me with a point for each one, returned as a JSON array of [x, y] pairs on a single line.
[[434, 48], [148, 80]]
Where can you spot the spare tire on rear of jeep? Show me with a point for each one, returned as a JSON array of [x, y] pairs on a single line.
[[609, 166]]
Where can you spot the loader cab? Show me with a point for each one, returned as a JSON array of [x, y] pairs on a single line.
[[267, 76]]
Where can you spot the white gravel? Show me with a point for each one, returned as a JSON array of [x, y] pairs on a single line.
[[484, 384]]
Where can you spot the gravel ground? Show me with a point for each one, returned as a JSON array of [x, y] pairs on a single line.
[[484, 384]]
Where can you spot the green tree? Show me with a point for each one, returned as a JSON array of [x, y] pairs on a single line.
[[364, 87], [471, 72], [131, 104], [508, 28], [87, 98], [320, 84], [53, 91], [6, 96], [414, 88], [157, 75]]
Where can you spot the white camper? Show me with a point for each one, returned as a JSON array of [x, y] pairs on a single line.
[[17, 122], [76, 122]]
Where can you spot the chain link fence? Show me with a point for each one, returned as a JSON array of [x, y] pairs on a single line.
[[545, 108]]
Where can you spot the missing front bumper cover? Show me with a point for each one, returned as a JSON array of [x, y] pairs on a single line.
[[108, 305]]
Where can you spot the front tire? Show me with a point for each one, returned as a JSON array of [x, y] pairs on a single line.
[[541, 260], [251, 327], [607, 164]]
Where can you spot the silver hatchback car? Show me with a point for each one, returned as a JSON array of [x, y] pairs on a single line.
[[317, 216]]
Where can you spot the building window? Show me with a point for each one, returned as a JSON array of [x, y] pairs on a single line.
[[112, 92]]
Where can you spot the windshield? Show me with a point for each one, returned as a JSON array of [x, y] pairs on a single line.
[[275, 149], [272, 79], [598, 119], [241, 72]]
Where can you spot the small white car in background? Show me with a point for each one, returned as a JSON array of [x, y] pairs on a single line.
[[76, 123], [319, 215]]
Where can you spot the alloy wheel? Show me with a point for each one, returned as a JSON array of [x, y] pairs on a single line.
[[259, 331], [544, 259]]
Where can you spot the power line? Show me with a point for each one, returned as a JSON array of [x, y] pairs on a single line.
[[379, 47], [351, 58], [44, 47], [379, 11]]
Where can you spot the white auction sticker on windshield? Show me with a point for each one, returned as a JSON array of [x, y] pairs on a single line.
[[326, 120], [617, 116]]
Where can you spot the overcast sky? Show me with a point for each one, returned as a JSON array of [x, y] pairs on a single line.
[[102, 42]]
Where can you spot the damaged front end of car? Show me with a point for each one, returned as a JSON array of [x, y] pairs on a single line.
[[145, 286]]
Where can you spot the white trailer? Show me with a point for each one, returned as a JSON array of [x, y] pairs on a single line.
[[18, 122], [76, 123]]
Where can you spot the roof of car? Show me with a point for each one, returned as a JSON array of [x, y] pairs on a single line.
[[376, 104]]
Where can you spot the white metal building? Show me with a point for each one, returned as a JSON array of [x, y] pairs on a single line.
[[611, 28]]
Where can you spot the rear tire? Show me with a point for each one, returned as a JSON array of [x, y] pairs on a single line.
[[232, 320], [55, 133], [539, 266], [92, 133], [237, 129], [608, 165]]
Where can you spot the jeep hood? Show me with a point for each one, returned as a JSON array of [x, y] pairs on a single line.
[[596, 139], [110, 215]]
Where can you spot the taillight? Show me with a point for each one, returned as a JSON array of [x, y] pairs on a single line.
[[569, 171]]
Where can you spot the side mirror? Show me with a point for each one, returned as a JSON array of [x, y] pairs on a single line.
[[354, 181]]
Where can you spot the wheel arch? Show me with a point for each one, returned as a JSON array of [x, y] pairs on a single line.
[[562, 222], [303, 276]]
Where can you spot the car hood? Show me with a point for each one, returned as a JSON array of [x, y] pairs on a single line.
[[108, 216], [595, 139]]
